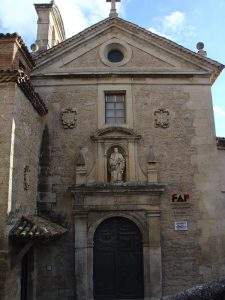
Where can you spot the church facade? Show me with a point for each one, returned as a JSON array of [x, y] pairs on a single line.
[[112, 177]]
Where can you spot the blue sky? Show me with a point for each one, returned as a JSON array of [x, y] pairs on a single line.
[[184, 21]]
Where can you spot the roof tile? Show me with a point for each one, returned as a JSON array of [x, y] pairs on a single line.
[[35, 227]]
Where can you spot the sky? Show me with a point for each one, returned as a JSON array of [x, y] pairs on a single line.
[[183, 21]]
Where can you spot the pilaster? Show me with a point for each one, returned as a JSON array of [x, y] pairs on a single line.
[[81, 268], [155, 254]]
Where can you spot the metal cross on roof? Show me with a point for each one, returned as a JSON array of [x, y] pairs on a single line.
[[113, 12]]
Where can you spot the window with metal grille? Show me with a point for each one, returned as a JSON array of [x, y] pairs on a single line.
[[115, 108]]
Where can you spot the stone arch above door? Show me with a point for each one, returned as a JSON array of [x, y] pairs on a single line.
[[131, 216]]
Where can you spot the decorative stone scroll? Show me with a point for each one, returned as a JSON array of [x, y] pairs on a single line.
[[26, 181], [162, 119], [69, 118]]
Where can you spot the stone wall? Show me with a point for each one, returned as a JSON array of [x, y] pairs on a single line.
[[6, 106], [19, 152], [64, 145], [55, 269], [28, 133], [221, 167], [186, 152], [217, 239]]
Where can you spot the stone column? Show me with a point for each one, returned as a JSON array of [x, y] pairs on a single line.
[[155, 255], [81, 273]]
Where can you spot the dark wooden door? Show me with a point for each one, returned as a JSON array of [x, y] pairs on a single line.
[[26, 276], [118, 260]]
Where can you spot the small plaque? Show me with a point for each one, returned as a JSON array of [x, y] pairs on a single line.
[[181, 226], [49, 268]]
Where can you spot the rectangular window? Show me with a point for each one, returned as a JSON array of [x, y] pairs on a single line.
[[115, 113]]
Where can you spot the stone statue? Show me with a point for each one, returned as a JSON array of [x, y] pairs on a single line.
[[117, 165]]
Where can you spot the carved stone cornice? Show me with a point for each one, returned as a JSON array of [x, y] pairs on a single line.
[[122, 188], [123, 73]]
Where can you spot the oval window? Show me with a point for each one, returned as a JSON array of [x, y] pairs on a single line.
[[115, 56]]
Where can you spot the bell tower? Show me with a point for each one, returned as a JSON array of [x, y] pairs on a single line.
[[50, 27]]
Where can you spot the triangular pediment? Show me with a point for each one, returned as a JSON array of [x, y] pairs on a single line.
[[91, 60], [149, 52]]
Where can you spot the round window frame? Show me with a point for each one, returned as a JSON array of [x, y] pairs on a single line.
[[115, 44]]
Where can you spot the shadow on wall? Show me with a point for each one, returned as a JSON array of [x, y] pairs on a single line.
[[211, 291], [45, 201], [44, 172]]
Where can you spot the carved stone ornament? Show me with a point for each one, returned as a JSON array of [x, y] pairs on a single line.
[[69, 118], [26, 181], [81, 170], [162, 119]]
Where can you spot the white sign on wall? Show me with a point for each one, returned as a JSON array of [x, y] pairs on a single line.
[[181, 226]]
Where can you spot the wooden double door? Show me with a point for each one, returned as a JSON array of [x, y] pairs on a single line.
[[118, 261]]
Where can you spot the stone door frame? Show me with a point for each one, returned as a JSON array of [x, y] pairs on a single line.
[[84, 236]]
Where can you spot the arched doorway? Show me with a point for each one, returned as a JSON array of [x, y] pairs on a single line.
[[118, 260]]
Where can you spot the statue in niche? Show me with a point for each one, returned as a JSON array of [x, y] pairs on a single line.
[[117, 165]]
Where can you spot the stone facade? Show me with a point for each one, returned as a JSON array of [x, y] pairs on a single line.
[[172, 188]]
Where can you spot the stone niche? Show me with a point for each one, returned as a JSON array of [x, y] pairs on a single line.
[[96, 202], [125, 140]]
